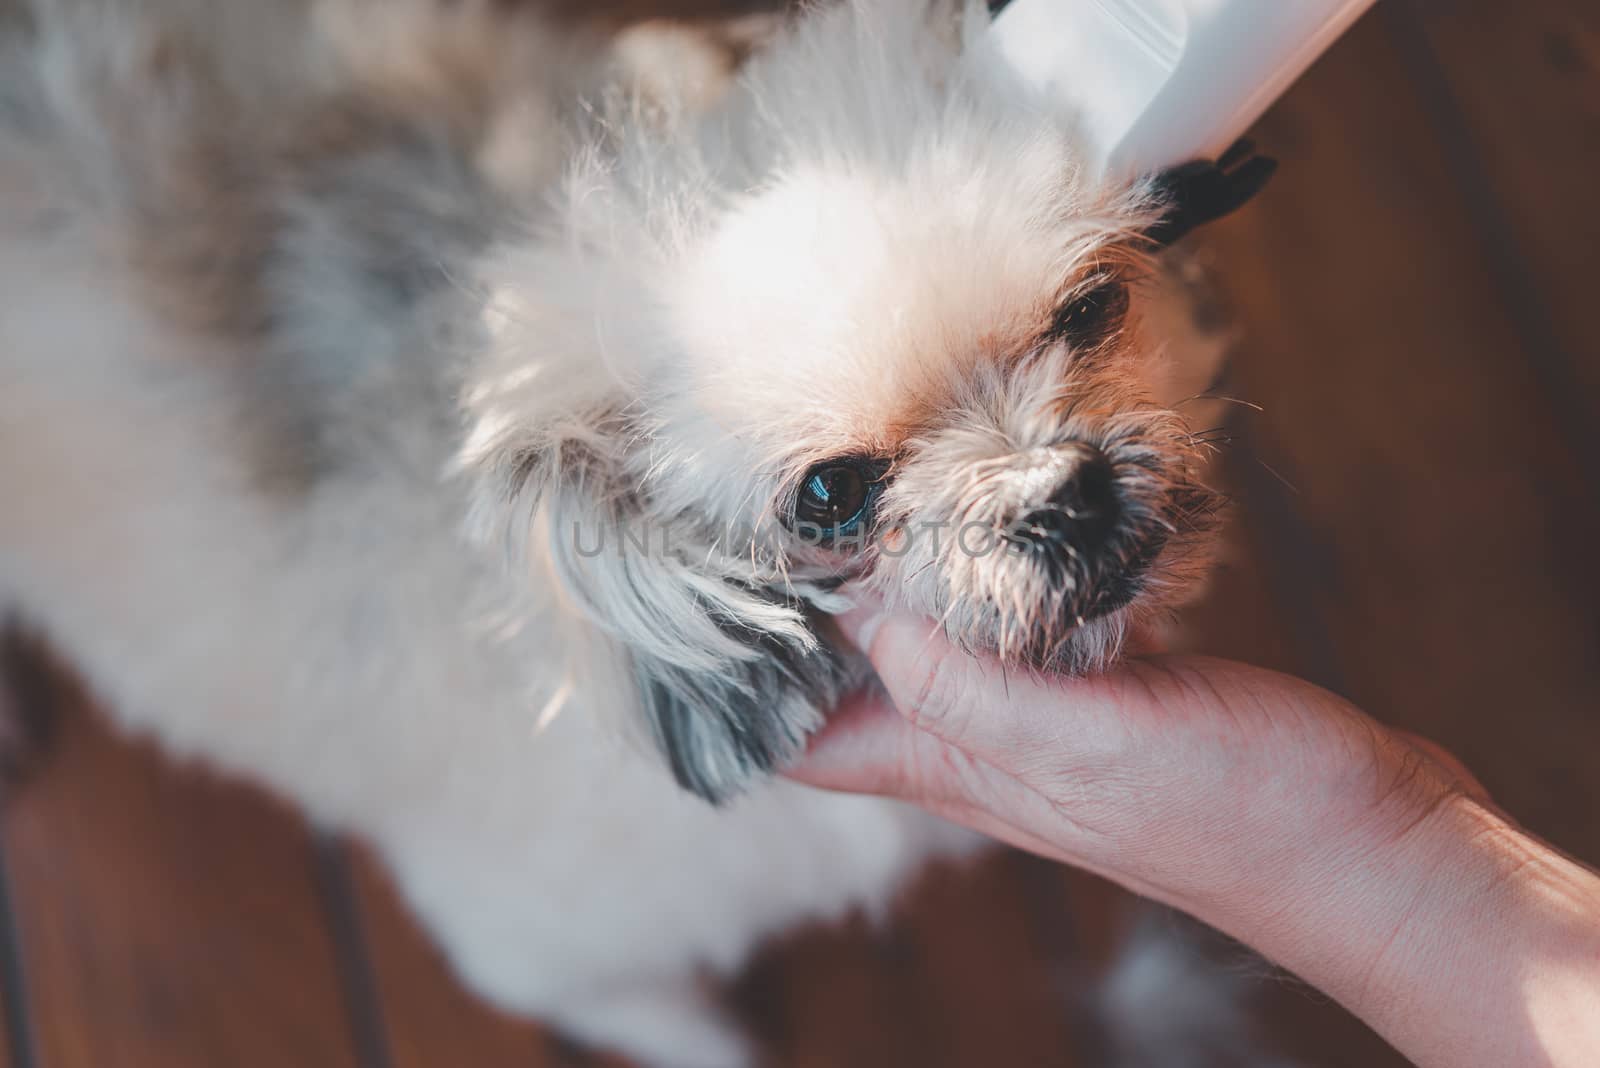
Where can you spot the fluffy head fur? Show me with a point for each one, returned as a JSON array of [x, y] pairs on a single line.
[[879, 247]]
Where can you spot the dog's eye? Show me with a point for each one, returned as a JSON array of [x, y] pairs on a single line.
[[835, 497], [1092, 316]]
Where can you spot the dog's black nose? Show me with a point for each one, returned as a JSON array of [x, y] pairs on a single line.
[[1081, 512]]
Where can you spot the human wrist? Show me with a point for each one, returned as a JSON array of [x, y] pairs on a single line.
[[1460, 939], [1499, 962], [1405, 925], [1325, 869]]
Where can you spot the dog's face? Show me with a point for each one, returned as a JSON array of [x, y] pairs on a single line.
[[935, 385], [894, 351]]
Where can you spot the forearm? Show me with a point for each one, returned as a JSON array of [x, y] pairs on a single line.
[[1463, 941]]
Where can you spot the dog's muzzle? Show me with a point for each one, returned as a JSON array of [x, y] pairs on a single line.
[[1079, 536]]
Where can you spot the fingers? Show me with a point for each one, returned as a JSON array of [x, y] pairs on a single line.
[[1452, 766], [868, 747], [1171, 775], [935, 687], [973, 704], [865, 747]]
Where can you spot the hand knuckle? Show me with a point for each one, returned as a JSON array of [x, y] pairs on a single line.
[[940, 688]]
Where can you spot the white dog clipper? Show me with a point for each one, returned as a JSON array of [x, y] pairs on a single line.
[[1163, 82]]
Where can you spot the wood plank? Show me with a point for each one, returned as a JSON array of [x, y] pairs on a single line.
[[168, 919], [26, 688], [970, 968], [429, 1019], [990, 960], [1521, 90], [16, 1030], [836, 997]]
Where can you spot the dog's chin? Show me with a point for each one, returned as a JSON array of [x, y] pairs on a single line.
[[1119, 588], [1089, 629]]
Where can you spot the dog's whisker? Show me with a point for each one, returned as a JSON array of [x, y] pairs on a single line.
[[1290, 486], [1221, 399]]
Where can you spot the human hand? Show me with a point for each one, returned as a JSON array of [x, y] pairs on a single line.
[[1363, 858], [1179, 777]]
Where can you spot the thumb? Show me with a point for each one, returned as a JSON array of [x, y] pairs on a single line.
[[972, 703]]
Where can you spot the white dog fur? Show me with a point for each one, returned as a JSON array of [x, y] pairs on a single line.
[[311, 368]]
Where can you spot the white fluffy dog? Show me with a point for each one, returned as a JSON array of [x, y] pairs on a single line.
[[398, 410]]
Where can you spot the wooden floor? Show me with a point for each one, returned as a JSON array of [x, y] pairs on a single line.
[[1418, 530]]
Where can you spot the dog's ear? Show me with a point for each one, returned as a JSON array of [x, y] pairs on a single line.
[[1203, 191], [721, 726], [730, 675]]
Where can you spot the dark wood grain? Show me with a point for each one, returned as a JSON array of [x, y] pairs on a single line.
[[429, 1019], [168, 920], [963, 973], [840, 995], [994, 981], [1519, 101]]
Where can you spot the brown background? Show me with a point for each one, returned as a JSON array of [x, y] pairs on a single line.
[[1418, 522]]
